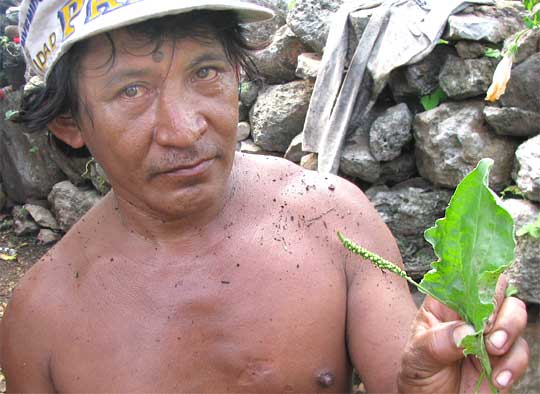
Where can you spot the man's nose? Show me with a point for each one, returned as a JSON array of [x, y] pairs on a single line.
[[180, 123]]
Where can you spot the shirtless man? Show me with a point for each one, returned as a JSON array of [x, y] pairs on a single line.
[[205, 270]]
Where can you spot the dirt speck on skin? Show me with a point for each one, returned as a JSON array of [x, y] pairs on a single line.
[[28, 252]]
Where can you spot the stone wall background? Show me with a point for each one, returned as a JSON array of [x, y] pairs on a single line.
[[407, 159]]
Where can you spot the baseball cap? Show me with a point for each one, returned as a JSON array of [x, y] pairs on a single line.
[[48, 28]]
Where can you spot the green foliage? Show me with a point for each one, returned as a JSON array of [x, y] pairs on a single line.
[[532, 19], [33, 149], [493, 53], [512, 191], [532, 229], [442, 42], [11, 114], [432, 100], [292, 4], [474, 243]]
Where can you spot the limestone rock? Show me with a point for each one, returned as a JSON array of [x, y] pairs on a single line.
[[294, 151], [308, 65], [243, 112], [523, 88], [3, 198], [248, 92], [452, 138], [310, 161], [409, 211], [358, 162], [243, 131], [464, 78], [26, 167], [73, 165], [42, 216], [530, 44], [512, 121], [420, 78], [390, 133], [278, 114], [277, 62], [310, 21], [484, 23], [70, 203], [527, 168], [470, 49], [525, 271], [260, 33], [22, 221], [248, 146], [47, 237]]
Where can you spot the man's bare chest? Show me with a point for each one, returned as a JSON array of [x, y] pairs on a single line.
[[251, 323]]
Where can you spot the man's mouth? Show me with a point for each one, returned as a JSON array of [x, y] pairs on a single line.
[[189, 169]]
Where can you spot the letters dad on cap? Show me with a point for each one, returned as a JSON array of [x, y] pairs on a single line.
[[48, 28]]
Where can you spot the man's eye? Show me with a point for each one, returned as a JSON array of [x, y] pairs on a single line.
[[132, 91], [206, 73]]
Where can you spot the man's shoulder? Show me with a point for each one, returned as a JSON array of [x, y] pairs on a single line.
[[302, 187]]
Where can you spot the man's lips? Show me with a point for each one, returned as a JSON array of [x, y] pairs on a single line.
[[191, 169]]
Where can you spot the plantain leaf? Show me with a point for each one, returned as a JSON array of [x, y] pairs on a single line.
[[475, 244]]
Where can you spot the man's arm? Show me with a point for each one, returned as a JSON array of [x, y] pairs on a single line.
[[24, 344], [380, 309]]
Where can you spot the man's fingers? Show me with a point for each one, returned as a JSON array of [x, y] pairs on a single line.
[[498, 299], [509, 368], [508, 326], [438, 346]]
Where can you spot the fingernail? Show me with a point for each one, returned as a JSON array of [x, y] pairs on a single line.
[[504, 378], [498, 338], [461, 332]]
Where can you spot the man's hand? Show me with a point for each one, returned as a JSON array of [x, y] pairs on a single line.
[[434, 363]]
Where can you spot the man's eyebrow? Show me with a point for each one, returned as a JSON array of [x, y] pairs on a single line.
[[208, 57], [127, 73]]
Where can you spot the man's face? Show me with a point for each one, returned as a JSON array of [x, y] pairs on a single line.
[[162, 124]]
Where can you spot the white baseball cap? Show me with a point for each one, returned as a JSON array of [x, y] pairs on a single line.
[[48, 28]]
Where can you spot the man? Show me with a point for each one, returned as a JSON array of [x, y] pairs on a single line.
[[205, 270]]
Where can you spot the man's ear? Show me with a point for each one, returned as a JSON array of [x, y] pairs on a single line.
[[66, 130]]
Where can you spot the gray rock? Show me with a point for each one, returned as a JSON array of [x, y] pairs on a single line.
[[420, 78], [260, 33], [22, 221], [484, 23], [42, 216], [523, 88], [3, 198], [464, 78], [358, 162], [71, 165], [308, 65], [294, 152], [310, 21], [511, 121], [310, 161], [70, 203], [390, 132], [95, 173], [358, 20], [452, 138], [243, 131], [527, 168], [530, 44], [47, 237], [243, 112], [277, 62], [248, 146], [525, 271], [278, 114], [26, 167], [248, 92], [409, 211], [470, 49]]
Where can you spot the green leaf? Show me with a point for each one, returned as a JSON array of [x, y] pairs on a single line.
[[533, 229], [442, 42], [432, 100], [33, 149], [475, 244], [493, 53], [512, 191], [511, 290], [11, 114]]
